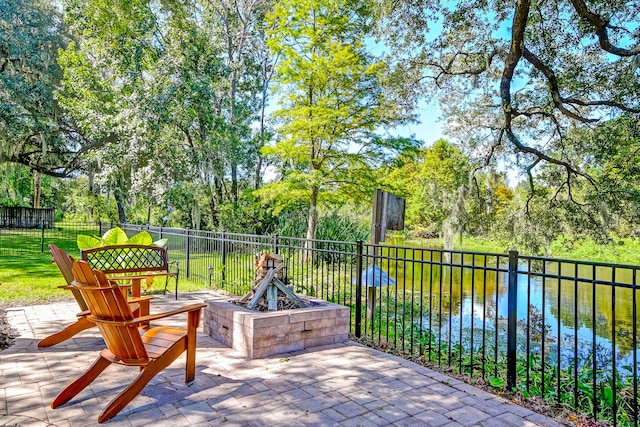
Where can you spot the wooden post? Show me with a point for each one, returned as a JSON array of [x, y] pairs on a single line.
[[388, 214], [371, 304], [376, 231]]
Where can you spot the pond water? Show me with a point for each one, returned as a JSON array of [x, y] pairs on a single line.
[[580, 308]]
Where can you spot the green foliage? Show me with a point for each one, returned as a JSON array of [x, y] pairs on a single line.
[[117, 236], [334, 226], [443, 194], [170, 94], [16, 186], [34, 130], [246, 215], [332, 101], [340, 228], [437, 188], [159, 104]]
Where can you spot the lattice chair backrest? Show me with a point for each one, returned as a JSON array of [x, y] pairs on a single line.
[[126, 258], [111, 312]]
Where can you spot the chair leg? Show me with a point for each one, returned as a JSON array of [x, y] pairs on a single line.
[[70, 331], [193, 321], [176, 287], [81, 383], [143, 378]]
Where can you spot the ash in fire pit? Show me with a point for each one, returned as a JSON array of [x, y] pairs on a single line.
[[270, 291]]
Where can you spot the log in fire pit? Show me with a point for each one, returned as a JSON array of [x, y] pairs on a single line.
[[269, 291], [272, 319]]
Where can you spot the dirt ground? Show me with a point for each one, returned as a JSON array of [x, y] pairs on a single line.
[[7, 333]]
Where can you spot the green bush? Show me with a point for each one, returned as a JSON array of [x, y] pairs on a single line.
[[334, 227]]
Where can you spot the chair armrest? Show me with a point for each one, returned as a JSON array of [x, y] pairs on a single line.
[[138, 299], [150, 317], [127, 277]]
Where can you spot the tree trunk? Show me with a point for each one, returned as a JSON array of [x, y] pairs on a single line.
[[448, 231], [234, 181], [258, 174], [312, 223], [212, 205], [219, 195], [37, 188], [263, 106], [122, 216], [91, 195]]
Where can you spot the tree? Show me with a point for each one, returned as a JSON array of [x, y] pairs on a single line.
[[250, 70], [515, 77], [610, 154], [332, 102], [104, 88], [176, 87], [438, 191], [34, 130], [211, 85]]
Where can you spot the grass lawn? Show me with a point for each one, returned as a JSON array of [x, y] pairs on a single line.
[[28, 279]]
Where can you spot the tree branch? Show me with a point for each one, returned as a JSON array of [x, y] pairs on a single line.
[[513, 57], [532, 187], [515, 53], [558, 101], [447, 69], [601, 25]]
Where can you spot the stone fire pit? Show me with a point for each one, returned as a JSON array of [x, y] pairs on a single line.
[[261, 334]]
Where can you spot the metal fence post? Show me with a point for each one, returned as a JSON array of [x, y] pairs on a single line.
[[188, 254], [42, 236], [275, 244], [359, 288], [512, 319], [223, 255]]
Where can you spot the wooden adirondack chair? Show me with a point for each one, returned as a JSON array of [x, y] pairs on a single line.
[[65, 265], [152, 351]]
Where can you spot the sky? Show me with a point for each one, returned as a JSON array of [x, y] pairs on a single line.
[[429, 128]]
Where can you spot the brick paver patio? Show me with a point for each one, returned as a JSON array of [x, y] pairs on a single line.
[[336, 385]]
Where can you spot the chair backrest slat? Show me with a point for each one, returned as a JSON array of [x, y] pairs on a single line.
[[65, 265], [106, 302]]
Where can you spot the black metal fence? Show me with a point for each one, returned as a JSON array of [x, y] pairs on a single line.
[[563, 330], [19, 240]]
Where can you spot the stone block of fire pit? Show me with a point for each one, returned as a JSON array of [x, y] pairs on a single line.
[[258, 334]]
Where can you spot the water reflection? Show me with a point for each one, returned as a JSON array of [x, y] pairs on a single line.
[[570, 299]]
